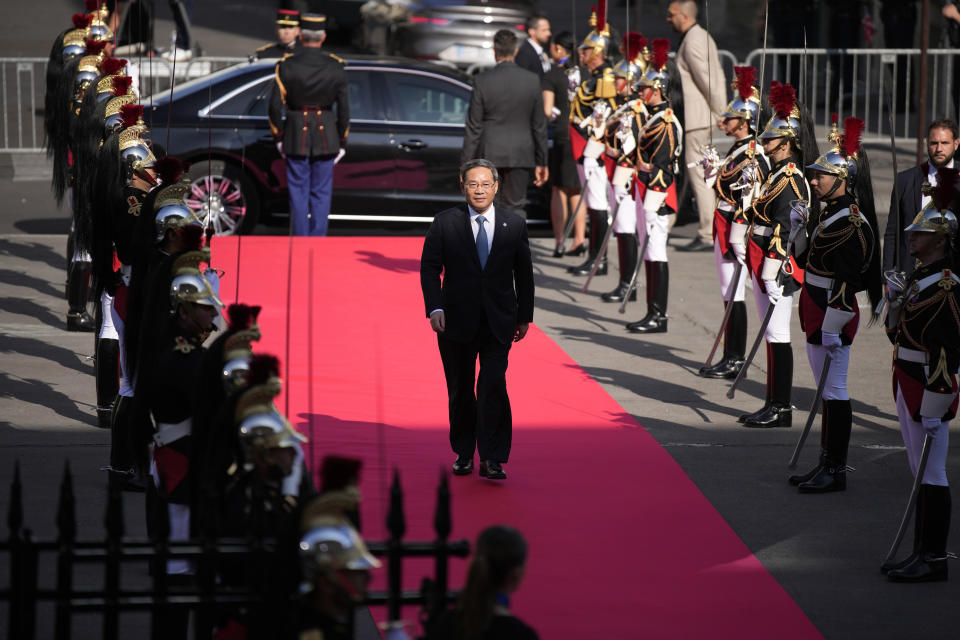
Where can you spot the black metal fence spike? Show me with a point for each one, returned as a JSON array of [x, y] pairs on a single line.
[[113, 521], [442, 521], [15, 510], [67, 508], [396, 519]]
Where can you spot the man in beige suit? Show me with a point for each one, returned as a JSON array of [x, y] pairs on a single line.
[[704, 98]]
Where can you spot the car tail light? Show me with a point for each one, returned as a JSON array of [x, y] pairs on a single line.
[[427, 20], [520, 27]]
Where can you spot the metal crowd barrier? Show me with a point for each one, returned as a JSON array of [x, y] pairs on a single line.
[[860, 82]]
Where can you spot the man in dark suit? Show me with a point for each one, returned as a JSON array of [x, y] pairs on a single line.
[[532, 54], [484, 302], [907, 198], [506, 124]]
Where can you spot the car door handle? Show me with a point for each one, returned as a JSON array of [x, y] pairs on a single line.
[[411, 145]]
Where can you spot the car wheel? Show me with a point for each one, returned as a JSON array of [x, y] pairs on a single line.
[[223, 198]]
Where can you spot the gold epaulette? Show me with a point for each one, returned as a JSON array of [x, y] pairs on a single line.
[[606, 84], [669, 116], [791, 169], [854, 217], [265, 47], [337, 58], [947, 282]]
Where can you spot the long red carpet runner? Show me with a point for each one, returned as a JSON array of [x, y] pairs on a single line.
[[622, 543]]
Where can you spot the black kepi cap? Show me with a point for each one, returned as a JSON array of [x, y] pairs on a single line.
[[288, 18], [313, 21]]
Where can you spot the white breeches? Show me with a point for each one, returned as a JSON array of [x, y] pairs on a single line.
[[913, 434], [179, 525], [597, 192], [835, 387], [779, 328], [126, 384], [658, 228], [107, 329], [725, 269], [626, 221]]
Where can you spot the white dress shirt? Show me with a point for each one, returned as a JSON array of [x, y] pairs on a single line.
[[931, 180], [544, 58]]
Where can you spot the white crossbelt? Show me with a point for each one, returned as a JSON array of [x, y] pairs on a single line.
[[818, 281], [168, 432], [911, 355], [723, 205], [760, 230]]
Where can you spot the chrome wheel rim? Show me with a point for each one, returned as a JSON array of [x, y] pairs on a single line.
[[218, 202]]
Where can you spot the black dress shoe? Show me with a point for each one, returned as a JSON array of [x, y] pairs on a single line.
[[492, 470], [926, 567], [749, 416], [797, 479], [651, 323], [584, 269], [728, 369], [828, 478], [887, 567], [81, 321], [696, 245], [617, 294], [578, 250], [462, 466], [774, 416]]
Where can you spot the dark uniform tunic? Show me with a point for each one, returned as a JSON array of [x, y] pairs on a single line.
[[742, 153], [598, 86], [656, 151], [277, 50], [312, 85], [839, 251]]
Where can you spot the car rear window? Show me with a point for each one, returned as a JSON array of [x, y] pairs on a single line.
[[429, 100]]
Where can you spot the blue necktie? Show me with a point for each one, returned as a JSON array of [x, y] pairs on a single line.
[[483, 248]]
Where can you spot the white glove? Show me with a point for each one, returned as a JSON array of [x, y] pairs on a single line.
[[291, 484], [830, 341], [796, 219], [554, 114], [280, 149], [774, 290], [620, 192], [710, 163], [340, 155], [740, 252], [590, 165], [930, 425], [598, 119]]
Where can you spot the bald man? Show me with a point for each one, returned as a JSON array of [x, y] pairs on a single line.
[[704, 98]]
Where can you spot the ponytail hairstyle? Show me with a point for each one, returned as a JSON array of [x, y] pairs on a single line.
[[500, 549]]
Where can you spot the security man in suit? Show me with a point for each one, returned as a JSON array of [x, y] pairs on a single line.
[[312, 85], [908, 199], [532, 54], [506, 124], [483, 304], [288, 36]]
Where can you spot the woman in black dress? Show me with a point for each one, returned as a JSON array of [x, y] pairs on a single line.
[[564, 182], [483, 610]]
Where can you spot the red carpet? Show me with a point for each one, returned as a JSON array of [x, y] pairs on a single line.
[[632, 551]]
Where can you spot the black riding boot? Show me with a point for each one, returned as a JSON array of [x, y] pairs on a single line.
[[106, 363], [598, 231], [778, 414], [658, 286], [824, 430], [887, 567], [627, 257], [931, 563], [768, 398], [734, 345], [78, 291], [833, 474]]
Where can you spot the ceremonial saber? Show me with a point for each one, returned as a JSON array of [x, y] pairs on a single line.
[[911, 501], [753, 351], [636, 274], [603, 251], [813, 412], [726, 312]]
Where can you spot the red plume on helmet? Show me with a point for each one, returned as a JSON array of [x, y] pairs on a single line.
[[130, 114], [601, 15], [81, 20], [661, 53], [95, 47], [169, 169], [112, 66], [239, 316], [946, 190], [633, 44], [121, 85], [852, 131], [746, 76], [262, 367], [783, 99]]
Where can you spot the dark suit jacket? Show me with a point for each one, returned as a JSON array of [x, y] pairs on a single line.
[[505, 122], [528, 59], [503, 289]]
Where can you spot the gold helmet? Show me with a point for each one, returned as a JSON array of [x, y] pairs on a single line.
[[939, 215], [634, 61], [598, 40], [74, 41], [260, 426], [656, 76], [189, 283], [746, 98], [785, 122], [99, 13], [841, 160]]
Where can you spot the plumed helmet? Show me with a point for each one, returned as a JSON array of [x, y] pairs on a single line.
[[236, 358], [135, 152], [938, 216], [112, 113], [634, 61], [655, 76], [112, 69], [785, 122], [260, 426], [87, 71], [189, 284], [330, 543], [598, 39], [74, 43], [99, 30], [746, 98], [842, 159]]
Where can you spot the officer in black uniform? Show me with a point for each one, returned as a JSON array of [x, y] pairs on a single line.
[[312, 85], [288, 36]]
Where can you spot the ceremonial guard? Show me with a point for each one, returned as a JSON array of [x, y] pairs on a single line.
[[595, 98], [924, 324], [839, 251], [312, 86], [787, 140], [619, 125], [658, 144], [288, 36], [733, 181]]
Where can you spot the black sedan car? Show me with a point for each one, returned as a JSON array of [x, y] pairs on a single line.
[[406, 132]]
